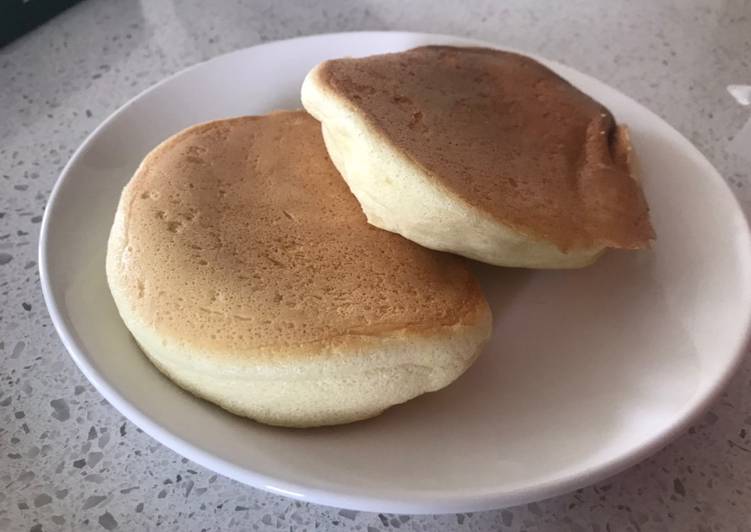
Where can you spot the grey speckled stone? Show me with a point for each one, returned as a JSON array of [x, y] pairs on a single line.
[[68, 461]]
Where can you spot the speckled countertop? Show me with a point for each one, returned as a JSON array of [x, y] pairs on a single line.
[[69, 461]]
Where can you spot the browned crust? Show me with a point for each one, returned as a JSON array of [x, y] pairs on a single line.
[[507, 136], [240, 235]]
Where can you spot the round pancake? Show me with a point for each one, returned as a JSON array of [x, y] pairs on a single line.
[[484, 153], [247, 272]]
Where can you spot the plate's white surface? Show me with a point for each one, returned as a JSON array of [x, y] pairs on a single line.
[[588, 371]]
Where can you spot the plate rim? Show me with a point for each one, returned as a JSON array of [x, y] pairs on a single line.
[[448, 502]]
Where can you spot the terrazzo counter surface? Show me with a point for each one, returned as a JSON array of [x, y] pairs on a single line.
[[69, 461]]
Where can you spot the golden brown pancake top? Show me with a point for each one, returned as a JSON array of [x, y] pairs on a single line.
[[241, 234], [505, 134]]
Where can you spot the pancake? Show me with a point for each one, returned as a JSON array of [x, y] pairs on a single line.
[[247, 272], [480, 152]]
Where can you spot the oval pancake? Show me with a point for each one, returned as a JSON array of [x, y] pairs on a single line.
[[247, 272], [480, 152]]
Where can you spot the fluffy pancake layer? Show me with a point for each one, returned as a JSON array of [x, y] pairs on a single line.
[[484, 153], [246, 270]]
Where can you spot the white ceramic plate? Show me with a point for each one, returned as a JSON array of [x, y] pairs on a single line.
[[588, 372]]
